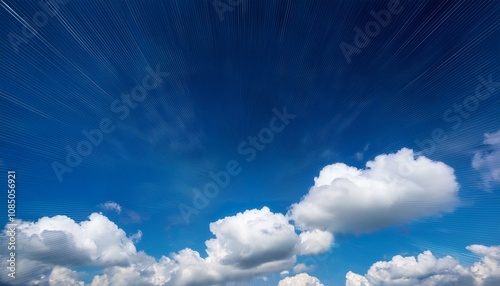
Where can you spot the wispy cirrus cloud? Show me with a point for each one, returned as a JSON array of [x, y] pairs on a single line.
[[110, 205]]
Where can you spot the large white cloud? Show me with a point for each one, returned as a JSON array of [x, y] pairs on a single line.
[[428, 270], [60, 240], [247, 244], [302, 279], [50, 242], [488, 161], [393, 189]]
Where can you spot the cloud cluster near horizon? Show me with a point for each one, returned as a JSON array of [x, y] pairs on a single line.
[[251, 243], [429, 270]]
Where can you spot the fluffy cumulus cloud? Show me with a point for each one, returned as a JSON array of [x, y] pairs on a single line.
[[393, 189], [428, 270], [487, 270], [315, 242], [249, 244], [488, 161], [252, 238], [302, 279], [60, 240], [246, 245]]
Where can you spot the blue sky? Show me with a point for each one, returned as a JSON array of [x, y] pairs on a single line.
[[170, 92]]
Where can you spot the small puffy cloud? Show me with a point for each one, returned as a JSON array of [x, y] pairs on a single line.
[[136, 237], [492, 138], [428, 270], [284, 273], [110, 205], [302, 279], [488, 161], [315, 242], [393, 189], [301, 267], [361, 154]]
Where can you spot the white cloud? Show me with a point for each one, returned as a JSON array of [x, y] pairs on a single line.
[[315, 242], [57, 241], [136, 237], [393, 189], [486, 270], [428, 270], [60, 240], [252, 238], [111, 206], [143, 270], [246, 245], [62, 276], [492, 138], [302, 279], [361, 154], [353, 279], [488, 161], [301, 267]]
